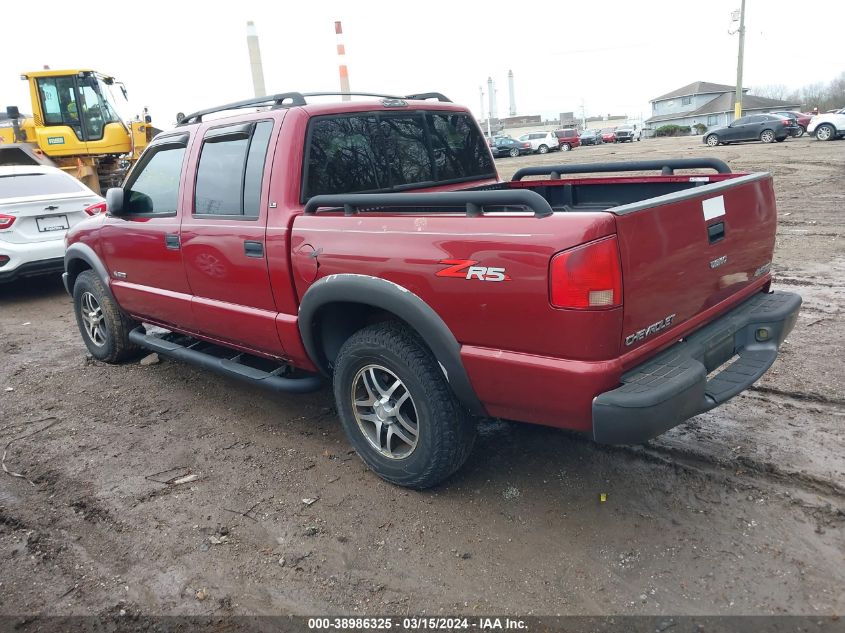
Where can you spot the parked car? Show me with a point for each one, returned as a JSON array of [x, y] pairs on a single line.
[[627, 133], [753, 127], [608, 135], [576, 312], [503, 146], [541, 142], [828, 126], [590, 137], [801, 119], [38, 204], [567, 139]]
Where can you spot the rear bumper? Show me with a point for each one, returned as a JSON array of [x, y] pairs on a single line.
[[32, 258], [674, 386], [32, 269]]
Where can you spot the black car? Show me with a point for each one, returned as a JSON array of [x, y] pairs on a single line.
[[591, 137], [504, 146], [753, 127]]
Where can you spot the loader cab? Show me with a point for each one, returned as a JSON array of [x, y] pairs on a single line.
[[77, 113]]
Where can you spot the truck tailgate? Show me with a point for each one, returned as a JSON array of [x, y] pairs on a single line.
[[687, 251]]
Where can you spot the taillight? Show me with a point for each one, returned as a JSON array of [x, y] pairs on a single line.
[[96, 209], [4, 259], [587, 277], [6, 221]]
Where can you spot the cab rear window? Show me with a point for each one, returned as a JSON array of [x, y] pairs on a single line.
[[23, 185], [392, 151]]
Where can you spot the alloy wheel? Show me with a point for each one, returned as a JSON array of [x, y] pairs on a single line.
[[92, 317], [385, 411]]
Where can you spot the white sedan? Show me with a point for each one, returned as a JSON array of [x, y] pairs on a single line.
[[38, 204]]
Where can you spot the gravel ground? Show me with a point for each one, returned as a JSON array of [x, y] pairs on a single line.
[[738, 511]]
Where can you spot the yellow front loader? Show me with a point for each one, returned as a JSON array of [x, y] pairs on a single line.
[[75, 125]]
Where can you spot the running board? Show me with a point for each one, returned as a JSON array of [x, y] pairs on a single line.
[[197, 353]]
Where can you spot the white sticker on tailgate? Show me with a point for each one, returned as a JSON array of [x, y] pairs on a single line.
[[713, 207]]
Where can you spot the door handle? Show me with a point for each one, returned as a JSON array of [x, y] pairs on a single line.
[[253, 248], [171, 241], [716, 232]]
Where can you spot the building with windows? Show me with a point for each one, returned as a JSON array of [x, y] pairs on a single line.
[[709, 104]]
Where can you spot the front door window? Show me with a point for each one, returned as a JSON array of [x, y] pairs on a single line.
[[59, 103]]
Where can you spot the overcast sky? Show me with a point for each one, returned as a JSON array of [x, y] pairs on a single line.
[[613, 55]]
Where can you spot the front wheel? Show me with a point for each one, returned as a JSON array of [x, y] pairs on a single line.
[[105, 330], [565, 147], [397, 409], [712, 140], [825, 132], [767, 136], [543, 149], [514, 153]]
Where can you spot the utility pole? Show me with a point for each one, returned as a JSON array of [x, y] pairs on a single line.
[[738, 100]]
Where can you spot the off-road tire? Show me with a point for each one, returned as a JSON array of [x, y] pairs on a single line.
[[115, 325], [446, 431]]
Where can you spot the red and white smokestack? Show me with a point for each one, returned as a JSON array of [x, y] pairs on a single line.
[[341, 54]]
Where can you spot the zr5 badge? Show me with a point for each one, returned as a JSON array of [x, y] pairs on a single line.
[[467, 269]]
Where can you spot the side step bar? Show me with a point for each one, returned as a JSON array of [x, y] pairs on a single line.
[[226, 366]]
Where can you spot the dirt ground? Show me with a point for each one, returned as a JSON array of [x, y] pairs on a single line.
[[738, 511]]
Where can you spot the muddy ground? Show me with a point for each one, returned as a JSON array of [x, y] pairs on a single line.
[[739, 511]]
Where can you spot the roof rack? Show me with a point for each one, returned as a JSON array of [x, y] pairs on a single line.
[[276, 101], [296, 99], [424, 96]]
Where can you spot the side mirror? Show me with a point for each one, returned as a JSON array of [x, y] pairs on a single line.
[[114, 201], [12, 112]]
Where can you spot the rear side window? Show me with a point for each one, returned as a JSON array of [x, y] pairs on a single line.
[[231, 169], [459, 150], [155, 188], [21, 185], [383, 152]]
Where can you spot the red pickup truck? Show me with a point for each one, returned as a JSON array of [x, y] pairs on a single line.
[[284, 247]]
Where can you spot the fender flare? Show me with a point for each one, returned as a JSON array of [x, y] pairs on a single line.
[[386, 295], [84, 252]]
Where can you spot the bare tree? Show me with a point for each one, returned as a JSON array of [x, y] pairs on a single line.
[[772, 91], [836, 93]]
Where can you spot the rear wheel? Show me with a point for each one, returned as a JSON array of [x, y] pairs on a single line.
[[712, 140], [397, 409], [565, 147], [513, 153], [767, 136], [543, 149], [105, 330], [800, 131], [825, 132]]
